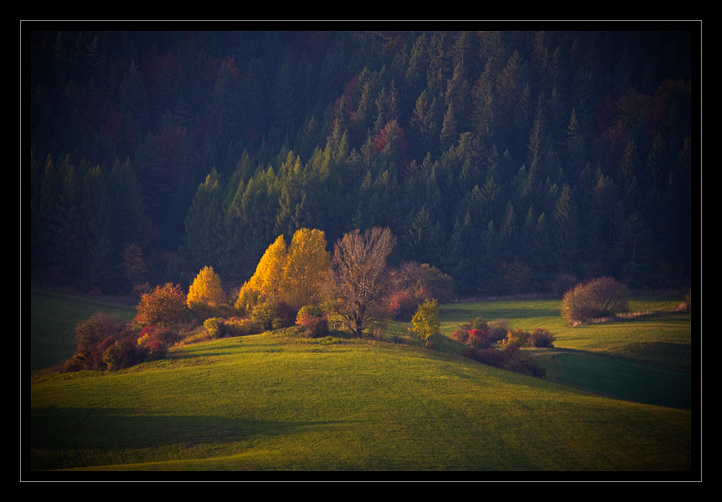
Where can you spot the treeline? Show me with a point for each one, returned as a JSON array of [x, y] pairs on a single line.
[[512, 161]]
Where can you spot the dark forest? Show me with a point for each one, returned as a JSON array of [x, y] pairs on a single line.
[[514, 161]]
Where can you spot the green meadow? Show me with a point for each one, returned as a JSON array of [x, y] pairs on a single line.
[[617, 397]]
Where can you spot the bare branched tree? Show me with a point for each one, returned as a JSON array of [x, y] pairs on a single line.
[[358, 272]]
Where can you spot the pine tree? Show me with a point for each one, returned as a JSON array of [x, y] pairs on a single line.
[[66, 223], [565, 231], [203, 222]]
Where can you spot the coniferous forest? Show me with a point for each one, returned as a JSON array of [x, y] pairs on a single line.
[[514, 161]]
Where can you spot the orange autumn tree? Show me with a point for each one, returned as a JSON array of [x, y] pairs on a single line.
[[163, 306], [295, 274]]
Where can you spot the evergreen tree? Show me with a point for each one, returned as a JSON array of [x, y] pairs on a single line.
[[66, 224], [566, 231], [203, 222]]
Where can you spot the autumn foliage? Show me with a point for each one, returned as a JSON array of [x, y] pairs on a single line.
[[206, 290], [295, 275], [165, 306]]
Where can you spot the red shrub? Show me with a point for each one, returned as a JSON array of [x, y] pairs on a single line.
[[480, 338], [313, 327], [153, 342]]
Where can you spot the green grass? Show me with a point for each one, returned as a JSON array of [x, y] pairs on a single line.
[[274, 402]]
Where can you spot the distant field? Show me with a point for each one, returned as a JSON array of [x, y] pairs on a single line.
[[273, 402]]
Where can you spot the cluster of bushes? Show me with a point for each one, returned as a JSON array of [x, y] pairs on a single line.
[[479, 333], [483, 338], [218, 327], [312, 321], [540, 337], [104, 342]]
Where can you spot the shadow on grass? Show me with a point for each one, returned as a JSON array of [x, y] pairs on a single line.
[[63, 438], [618, 379]]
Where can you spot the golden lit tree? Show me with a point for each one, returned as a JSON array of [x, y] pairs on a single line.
[[307, 268], [265, 283], [206, 289], [295, 275]]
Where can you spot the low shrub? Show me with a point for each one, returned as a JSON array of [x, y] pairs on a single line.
[[401, 305], [156, 341], [517, 338], [480, 338], [479, 323], [215, 328], [239, 326], [95, 329], [273, 315], [284, 316], [498, 329], [541, 337], [460, 335], [92, 338], [312, 322], [106, 343], [123, 352]]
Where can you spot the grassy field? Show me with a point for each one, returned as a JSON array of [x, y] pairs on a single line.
[[274, 402]]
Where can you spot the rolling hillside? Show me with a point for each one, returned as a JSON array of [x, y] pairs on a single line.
[[275, 402]]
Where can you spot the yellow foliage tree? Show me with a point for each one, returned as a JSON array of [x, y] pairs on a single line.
[[295, 275], [265, 283], [307, 268], [426, 319], [206, 289]]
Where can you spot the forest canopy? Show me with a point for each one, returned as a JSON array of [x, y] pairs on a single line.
[[512, 161]]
